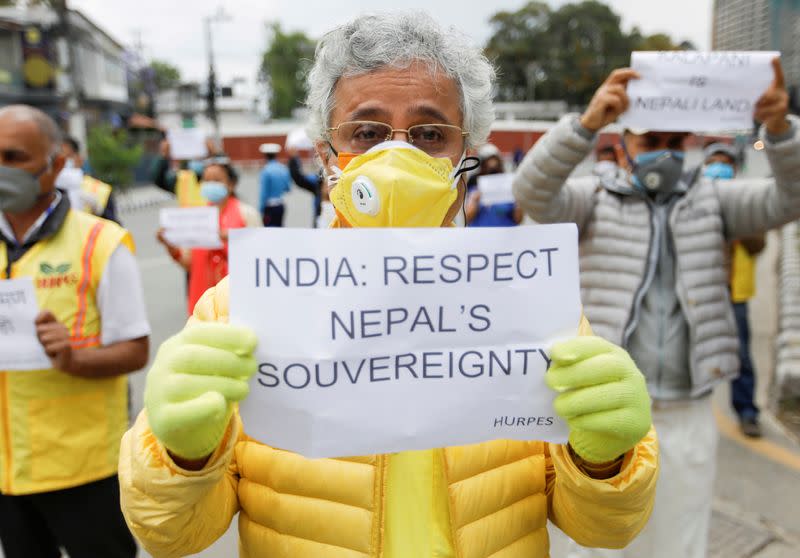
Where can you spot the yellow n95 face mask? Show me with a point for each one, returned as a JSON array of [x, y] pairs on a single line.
[[394, 184]]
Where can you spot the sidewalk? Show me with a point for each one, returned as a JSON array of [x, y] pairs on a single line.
[[758, 482]]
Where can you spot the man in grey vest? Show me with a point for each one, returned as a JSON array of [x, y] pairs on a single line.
[[654, 278]]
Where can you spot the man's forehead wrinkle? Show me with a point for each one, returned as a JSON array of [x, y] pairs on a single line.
[[46, 132], [26, 134]]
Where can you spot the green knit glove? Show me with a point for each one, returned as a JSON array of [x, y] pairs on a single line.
[[190, 390], [603, 397]]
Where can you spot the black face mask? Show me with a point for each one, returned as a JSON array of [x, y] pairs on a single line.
[[658, 171]]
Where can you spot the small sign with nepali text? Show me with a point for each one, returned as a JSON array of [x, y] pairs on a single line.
[[187, 144], [20, 348], [496, 188], [191, 227], [385, 340], [691, 91]]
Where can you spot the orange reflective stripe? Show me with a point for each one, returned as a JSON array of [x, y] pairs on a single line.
[[84, 342], [86, 279]]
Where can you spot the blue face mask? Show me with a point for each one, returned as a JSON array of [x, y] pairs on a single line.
[[723, 171], [214, 192]]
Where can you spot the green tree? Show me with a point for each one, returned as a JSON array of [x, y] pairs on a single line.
[[586, 44], [561, 54], [657, 41], [284, 66], [7, 3], [165, 75], [518, 49], [112, 156]]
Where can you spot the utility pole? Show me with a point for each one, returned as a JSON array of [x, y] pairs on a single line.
[[211, 96], [77, 121]]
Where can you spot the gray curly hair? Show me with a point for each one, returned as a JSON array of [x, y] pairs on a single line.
[[375, 41]]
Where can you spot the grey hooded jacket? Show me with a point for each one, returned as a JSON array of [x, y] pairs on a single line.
[[620, 238]]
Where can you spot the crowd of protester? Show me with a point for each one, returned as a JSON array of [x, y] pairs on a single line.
[[667, 268]]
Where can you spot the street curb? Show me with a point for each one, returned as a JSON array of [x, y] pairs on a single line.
[[142, 198]]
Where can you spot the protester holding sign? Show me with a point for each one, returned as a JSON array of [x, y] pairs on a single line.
[[483, 211], [654, 277], [95, 195], [208, 266], [722, 164], [60, 423], [182, 176], [395, 102]]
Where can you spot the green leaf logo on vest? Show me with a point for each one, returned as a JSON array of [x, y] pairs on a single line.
[[48, 269], [55, 276]]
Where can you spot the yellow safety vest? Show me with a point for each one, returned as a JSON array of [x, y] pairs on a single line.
[[56, 430], [187, 189], [98, 191], [743, 274]]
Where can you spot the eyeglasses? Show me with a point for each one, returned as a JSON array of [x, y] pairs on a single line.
[[437, 140]]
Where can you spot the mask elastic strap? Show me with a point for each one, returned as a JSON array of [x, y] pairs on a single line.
[[47, 168], [333, 178], [638, 186], [631, 162], [333, 149], [465, 165]]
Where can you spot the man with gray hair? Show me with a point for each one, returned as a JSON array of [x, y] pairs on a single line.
[[60, 427], [401, 100]]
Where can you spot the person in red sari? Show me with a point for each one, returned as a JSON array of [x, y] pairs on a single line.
[[206, 267]]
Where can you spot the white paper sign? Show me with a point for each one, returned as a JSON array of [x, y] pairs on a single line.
[[697, 91], [384, 340], [69, 179], [19, 346], [191, 227], [496, 188], [298, 139], [187, 143]]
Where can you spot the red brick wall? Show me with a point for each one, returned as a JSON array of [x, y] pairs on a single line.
[[245, 149]]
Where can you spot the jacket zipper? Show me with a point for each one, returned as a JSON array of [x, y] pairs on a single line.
[[661, 317], [646, 279], [380, 470], [668, 237], [684, 309]]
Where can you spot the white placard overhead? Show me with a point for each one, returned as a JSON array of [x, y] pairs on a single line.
[[496, 188], [384, 340], [697, 91], [20, 348], [191, 227], [298, 139], [187, 144]]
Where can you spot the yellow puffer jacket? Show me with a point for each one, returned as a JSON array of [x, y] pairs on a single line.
[[479, 501]]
